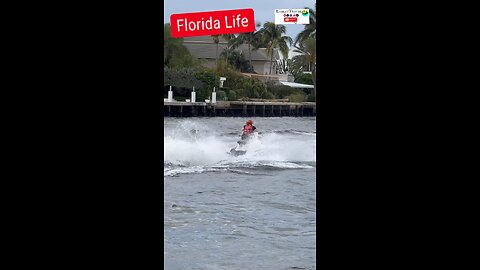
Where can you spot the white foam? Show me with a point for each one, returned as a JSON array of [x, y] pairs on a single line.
[[195, 169], [205, 150]]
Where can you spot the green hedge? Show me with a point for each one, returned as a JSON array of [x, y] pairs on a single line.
[[283, 91], [221, 95], [300, 97], [232, 95], [181, 77], [304, 78], [210, 79], [239, 86]]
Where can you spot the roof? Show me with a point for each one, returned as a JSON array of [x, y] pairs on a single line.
[[297, 85], [203, 39], [204, 51], [257, 55], [203, 47]]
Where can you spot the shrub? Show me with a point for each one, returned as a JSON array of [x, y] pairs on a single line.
[[232, 95], [269, 95], [234, 80], [300, 97], [283, 91], [181, 77], [245, 87], [241, 93], [304, 78], [183, 59], [210, 79], [221, 95], [254, 88]]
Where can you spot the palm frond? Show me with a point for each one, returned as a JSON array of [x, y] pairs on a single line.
[[310, 30]]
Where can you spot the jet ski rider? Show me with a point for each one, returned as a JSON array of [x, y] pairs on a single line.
[[248, 129]]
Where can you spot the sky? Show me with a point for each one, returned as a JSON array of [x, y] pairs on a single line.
[[263, 9]]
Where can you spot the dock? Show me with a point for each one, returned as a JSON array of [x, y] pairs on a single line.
[[239, 109]]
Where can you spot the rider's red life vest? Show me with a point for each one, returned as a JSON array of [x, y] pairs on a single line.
[[247, 129]]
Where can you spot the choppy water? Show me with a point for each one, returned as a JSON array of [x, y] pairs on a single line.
[[256, 211]]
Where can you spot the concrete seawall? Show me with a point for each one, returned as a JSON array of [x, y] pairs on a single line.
[[239, 109]]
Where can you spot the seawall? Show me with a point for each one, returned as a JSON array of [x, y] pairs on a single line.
[[239, 109]]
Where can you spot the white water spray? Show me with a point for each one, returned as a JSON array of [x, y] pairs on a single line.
[[194, 148]]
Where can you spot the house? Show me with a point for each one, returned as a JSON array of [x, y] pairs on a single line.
[[203, 47]]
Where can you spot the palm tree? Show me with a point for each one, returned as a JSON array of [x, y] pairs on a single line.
[[216, 40], [272, 35], [252, 39], [310, 30], [307, 50], [231, 44]]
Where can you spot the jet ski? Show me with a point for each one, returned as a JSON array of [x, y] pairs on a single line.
[[240, 149], [236, 152]]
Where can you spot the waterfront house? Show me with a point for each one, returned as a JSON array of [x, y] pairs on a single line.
[[203, 47]]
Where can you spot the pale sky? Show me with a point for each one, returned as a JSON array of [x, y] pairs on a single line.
[[263, 9]]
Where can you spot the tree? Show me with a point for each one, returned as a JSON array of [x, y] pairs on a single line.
[[252, 39], [182, 78], [176, 55], [308, 57], [244, 87], [272, 35], [170, 44], [254, 88], [283, 65], [310, 30], [231, 44], [237, 60], [209, 79], [216, 40]]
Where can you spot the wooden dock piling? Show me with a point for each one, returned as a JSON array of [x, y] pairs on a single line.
[[239, 109]]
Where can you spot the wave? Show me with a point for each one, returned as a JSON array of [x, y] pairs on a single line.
[[295, 132], [249, 168], [191, 148]]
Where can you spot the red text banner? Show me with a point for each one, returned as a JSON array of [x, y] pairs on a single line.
[[212, 23]]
